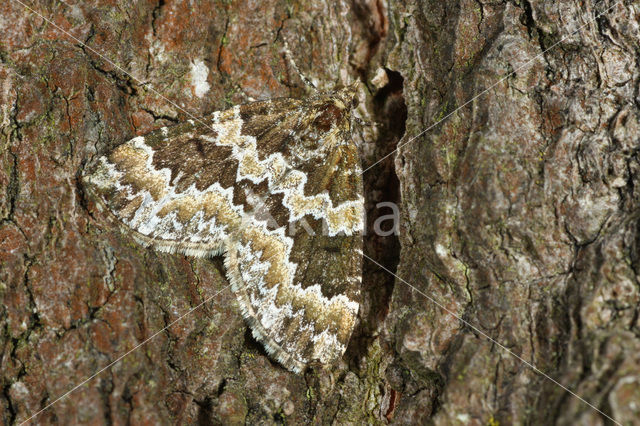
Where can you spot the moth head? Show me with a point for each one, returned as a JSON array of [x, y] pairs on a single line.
[[335, 108], [347, 96]]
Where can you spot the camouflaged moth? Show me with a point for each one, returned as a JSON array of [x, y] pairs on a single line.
[[192, 189]]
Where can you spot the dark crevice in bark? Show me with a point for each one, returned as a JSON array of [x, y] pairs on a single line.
[[155, 14], [158, 116], [252, 345], [17, 343], [80, 190], [127, 398], [279, 29], [137, 400], [560, 336], [124, 82], [13, 188], [35, 321], [205, 412], [381, 186], [394, 398], [12, 410], [528, 20], [106, 387]]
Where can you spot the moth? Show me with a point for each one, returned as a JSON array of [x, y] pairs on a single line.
[[273, 186]]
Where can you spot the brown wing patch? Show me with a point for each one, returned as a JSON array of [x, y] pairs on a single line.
[[196, 161], [189, 188]]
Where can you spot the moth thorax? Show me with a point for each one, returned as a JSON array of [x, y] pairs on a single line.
[[331, 116]]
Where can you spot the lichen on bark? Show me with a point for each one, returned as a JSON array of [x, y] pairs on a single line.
[[519, 211]]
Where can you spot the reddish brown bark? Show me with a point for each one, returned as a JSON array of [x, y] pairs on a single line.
[[519, 211]]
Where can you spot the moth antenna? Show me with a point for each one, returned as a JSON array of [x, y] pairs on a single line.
[[289, 56]]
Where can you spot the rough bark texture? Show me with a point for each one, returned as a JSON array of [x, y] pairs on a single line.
[[519, 212]]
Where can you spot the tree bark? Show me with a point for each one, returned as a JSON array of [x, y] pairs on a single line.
[[519, 212]]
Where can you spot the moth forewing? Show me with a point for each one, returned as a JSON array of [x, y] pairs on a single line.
[[192, 189]]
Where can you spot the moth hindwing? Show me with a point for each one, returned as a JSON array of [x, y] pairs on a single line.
[[275, 187]]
